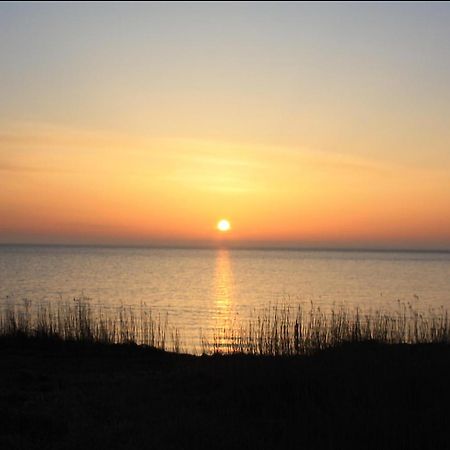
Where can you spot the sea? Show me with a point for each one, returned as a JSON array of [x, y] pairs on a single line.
[[200, 290]]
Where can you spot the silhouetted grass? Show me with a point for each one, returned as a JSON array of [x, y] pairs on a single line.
[[63, 385], [273, 331], [81, 322], [283, 331]]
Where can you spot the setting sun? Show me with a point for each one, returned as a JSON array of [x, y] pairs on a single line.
[[223, 225]]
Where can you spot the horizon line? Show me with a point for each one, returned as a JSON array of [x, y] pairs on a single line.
[[229, 246]]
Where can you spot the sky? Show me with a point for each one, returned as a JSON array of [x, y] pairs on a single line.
[[311, 125]]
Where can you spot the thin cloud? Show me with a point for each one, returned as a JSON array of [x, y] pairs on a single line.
[[18, 168]]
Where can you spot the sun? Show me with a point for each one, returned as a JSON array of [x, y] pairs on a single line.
[[223, 225]]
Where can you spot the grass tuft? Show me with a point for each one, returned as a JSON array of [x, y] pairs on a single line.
[[79, 321], [273, 331], [284, 331]]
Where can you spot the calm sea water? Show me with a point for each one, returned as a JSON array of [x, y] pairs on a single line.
[[203, 289]]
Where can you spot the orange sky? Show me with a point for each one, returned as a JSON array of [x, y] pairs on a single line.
[[314, 127], [114, 188]]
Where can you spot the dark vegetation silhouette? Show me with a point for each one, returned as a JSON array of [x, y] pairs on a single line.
[[76, 378], [274, 330]]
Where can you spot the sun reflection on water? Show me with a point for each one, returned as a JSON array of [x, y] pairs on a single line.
[[223, 294], [223, 281]]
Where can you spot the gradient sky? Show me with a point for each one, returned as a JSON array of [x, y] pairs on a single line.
[[303, 124]]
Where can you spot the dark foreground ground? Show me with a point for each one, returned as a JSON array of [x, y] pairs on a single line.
[[56, 395]]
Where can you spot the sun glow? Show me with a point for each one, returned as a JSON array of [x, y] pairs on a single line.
[[223, 225]]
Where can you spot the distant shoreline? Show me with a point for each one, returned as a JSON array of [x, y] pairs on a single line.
[[233, 247]]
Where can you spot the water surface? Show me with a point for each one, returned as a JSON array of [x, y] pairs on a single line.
[[202, 289]]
